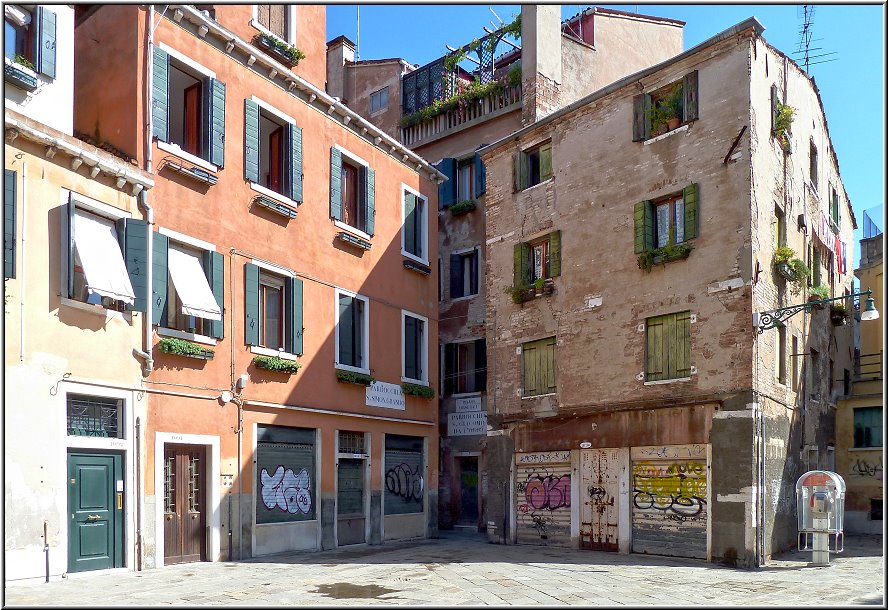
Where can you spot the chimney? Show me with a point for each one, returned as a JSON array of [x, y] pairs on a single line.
[[540, 60], [340, 51]]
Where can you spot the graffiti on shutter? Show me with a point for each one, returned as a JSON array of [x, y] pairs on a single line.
[[542, 494], [669, 500], [599, 492]]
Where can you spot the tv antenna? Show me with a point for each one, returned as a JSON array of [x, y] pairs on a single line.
[[806, 31]]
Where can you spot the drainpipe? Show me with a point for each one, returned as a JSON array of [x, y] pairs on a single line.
[[138, 495], [23, 284], [149, 279]]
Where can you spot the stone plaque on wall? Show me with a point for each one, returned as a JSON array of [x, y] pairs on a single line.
[[467, 424]]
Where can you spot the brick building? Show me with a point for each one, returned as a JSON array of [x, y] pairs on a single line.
[[634, 406]]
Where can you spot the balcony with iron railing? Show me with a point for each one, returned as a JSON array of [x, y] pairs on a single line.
[[868, 367]]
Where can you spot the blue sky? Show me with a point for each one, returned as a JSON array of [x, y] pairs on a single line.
[[852, 87]]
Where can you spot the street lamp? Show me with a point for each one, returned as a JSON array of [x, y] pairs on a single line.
[[775, 317]]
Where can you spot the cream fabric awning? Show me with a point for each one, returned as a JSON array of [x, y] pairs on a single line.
[[192, 286], [101, 259]]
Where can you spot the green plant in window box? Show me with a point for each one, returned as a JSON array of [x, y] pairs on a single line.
[[665, 115], [23, 61], [783, 124], [660, 256], [276, 363], [467, 205], [181, 347], [520, 293], [838, 314], [415, 389], [289, 52], [356, 378], [818, 293]]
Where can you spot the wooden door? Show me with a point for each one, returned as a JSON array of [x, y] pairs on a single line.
[[184, 503], [599, 491], [95, 529], [350, 501]]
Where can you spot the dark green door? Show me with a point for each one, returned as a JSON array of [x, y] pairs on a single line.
[[95, 511]]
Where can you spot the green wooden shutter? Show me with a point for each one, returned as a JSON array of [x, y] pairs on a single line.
[[774, 101], [411, 368], [480, 365], [480, 176], [347, 330], [690, 90], [251, 141], [295, 138], [160, 94], [135, 255], [251, 304], [447, 189], [456, 276], [638, 118], [548, 363], [530, 358], [450, 371], [160, 252], [816, 264], [293, 325], [214, 269], [370, 200], [9, 189], [554, 253], [410, 213], [335, 183], [644, 226], [680, 347], [546, 162], [655, 368], [217, 123], [521, 270], [69, 248], [45, 41], [690, 211]]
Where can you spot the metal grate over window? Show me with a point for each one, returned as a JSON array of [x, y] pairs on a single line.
[[95, 416], [351, 442]]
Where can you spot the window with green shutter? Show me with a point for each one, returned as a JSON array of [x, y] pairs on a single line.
[[538, 367], [9, 232], [668, 346], [666, 108], [666, 221], [272, 152], [533, 166], [414, 348], [351, 332], [352, 191], [539, 259], [273, 310], [414, 233]]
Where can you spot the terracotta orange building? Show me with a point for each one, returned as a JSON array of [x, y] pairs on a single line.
[[289, 300]]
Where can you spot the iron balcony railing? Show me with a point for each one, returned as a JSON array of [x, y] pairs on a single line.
[[868, 367]]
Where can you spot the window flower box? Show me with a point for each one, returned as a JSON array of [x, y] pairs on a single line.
[[838, 314], [415, 389], [181, 347], [277, 364], [19, 75], [354, 240], [661, 256], [352, 377], [286, 53], [785, 271], [463, 207]]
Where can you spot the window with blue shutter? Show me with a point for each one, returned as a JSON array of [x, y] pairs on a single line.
[[335, 183], [414, 348], [351, 350], [370, 201], [251, 304], [160, 94], [295, 162], [294, 317], [160, 252], [44, 38], [214, 268], [447, 189], [9, 233], [480, 176], [136, 258], [414, 229]]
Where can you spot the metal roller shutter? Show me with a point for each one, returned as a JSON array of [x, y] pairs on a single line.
[[542, 495]]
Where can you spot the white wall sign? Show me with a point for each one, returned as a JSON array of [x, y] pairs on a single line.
[[548, 457], [466, 405], [467, 424], [386, 395]]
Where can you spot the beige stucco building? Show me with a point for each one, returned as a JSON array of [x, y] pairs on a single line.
[[639, 405]]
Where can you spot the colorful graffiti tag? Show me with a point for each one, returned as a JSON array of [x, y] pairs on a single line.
[[545, 491], [677, 489], [286, 490]]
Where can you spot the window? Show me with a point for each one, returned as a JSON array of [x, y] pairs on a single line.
[[779, 227], [834, 214], [352, 191], [273, 152], [286, 485], [465, 367], [414, 233], [670, 219], [780, 355], [533, 166], [538, 259], [817, 264], [868, 427], [96, 268], [273, 304], [812, 169], [95, 416], [193, 306], [379, 100], [188, 108], [795, 363], [464, 273], [668, 347], [9, 207], [814, 375], [404, 474], [30, 36], [538, 367], [665, 109], [352, 332], [274, 19], [466, 180], [415, 356]]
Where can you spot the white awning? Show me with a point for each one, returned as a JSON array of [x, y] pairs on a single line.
[[100, 256], [17, 15], [192, 286]]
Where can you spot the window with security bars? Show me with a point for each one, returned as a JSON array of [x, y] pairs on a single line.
[[95, 416], [351, 442]]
